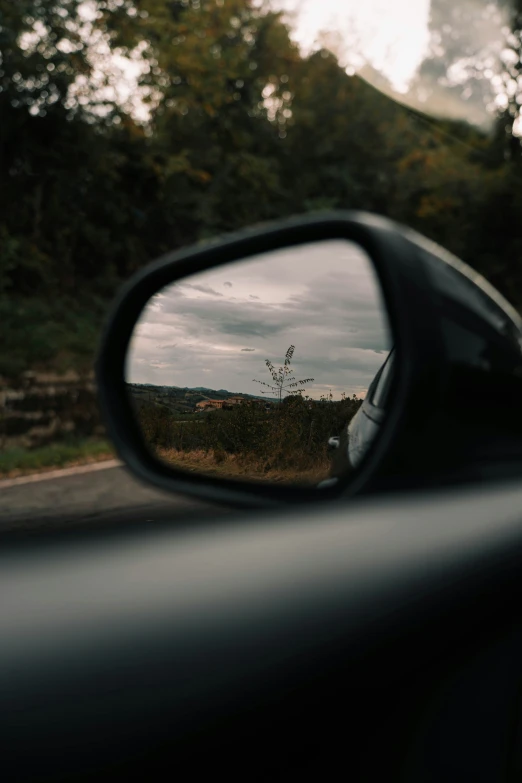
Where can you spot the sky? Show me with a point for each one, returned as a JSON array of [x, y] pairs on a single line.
[[216, 329], [372, 37], [392, 36]]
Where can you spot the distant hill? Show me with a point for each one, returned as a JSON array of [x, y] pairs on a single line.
[[220, 391], [183, 399]]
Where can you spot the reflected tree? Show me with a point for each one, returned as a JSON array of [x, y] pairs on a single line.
[[283, 378]]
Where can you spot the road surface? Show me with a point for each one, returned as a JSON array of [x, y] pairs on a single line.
[[89, 496]]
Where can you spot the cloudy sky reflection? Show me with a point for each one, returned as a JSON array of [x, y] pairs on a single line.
[[216, 329]]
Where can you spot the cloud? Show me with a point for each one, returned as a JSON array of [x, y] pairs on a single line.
[[250, 328], [159, 365], [322, 298], [205, 289]]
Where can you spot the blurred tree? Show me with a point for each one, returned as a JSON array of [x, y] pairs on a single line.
[[43, 52], [229, 125], [220, 71], [456, 79], [335, 146], [511, 79]]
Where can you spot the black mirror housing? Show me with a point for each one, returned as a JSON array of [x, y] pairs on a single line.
[[422, 285]]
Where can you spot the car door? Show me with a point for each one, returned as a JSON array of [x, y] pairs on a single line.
[[366, 423]]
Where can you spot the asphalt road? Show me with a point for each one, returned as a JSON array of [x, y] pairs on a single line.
[[90, 496]]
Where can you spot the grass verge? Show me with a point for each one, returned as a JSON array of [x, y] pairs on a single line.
[[20, 462], [233, 466]]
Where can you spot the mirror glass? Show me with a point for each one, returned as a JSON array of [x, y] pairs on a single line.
[[266, 369]]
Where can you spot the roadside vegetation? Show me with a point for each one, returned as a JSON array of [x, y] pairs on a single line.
[[18, 462], [285, 441]]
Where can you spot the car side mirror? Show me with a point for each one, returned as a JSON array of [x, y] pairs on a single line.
[[235, 369]]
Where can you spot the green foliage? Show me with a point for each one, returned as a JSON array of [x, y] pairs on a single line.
[[39, 333], [17, 460], [292, 435], [283, 379]]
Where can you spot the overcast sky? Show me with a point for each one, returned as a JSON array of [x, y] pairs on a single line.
[[216, 329], [392, 36]]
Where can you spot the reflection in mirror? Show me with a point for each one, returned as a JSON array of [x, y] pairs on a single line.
[[258, 370]]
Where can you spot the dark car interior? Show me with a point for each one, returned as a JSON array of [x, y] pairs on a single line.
[[358, 640]]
